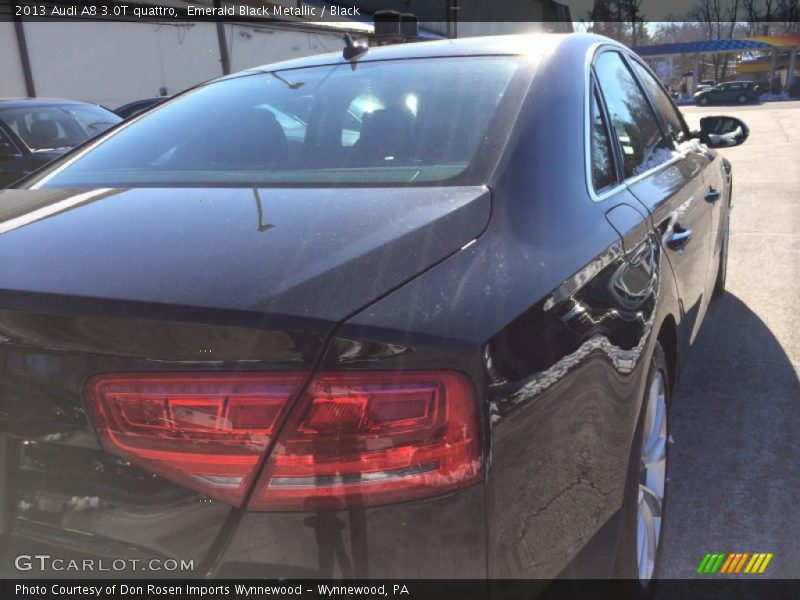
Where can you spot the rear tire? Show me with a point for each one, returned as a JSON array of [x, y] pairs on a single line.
[[641, 540]]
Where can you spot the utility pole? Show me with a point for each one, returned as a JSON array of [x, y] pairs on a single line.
[[24, 58], [224, 57]]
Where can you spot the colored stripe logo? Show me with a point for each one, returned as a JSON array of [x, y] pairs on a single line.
[[734, 563]]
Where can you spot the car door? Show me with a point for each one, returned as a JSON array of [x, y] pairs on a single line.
[[714, 171], [666, 178], [568, 373]]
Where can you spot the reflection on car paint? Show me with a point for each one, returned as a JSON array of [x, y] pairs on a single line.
[[577, 314]]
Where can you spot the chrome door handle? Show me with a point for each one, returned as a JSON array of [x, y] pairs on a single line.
[[712, 195], [679, 238]]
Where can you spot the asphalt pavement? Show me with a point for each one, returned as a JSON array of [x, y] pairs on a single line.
[[734, 474]]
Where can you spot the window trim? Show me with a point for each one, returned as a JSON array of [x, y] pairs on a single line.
[[588, 88], [592, 54]]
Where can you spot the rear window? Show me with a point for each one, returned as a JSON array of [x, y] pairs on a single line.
[[57, 126], [390, 122]]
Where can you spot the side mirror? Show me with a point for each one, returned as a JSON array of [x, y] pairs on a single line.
[[723, 132]]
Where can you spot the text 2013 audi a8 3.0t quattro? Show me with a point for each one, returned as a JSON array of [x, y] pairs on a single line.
[[414, 314]]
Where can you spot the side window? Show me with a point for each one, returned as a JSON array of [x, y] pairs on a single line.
[[662, 102], [603, 171], [635, 126]]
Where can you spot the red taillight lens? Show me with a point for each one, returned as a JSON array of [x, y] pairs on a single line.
[[207, 431], [359, 439]]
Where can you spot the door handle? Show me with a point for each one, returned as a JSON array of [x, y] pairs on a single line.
[[712, 195], [679, 238]]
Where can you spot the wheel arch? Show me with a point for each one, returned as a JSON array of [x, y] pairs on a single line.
[[668, 338]]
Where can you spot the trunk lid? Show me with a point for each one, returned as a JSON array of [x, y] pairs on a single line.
[[310, 253]]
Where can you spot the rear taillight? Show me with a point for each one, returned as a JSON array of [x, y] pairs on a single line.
[[206, 431], [359, 439], [351, 439]]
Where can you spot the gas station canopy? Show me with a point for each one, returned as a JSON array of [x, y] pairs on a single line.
[[720, 46]]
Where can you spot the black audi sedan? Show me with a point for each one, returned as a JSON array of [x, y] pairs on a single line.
[[34, 131], [433, 333]]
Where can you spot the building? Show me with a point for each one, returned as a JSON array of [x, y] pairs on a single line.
[[112, 62], [115, 61]]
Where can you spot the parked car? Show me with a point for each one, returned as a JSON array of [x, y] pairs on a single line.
[[35, 131], [794, 89], [706, 84], [732, 91], [132, 109], [433, 333]]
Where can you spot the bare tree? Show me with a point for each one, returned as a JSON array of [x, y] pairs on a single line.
[[621, 20], [787, 16], [719, 18]]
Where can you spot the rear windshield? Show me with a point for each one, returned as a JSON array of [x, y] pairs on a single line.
[[57, 126], [383, 122]]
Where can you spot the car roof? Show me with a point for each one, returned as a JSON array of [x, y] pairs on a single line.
[[153, 100], [521, 44], [25, 102]]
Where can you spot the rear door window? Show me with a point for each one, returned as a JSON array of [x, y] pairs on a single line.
[[670, 116], [634, 124]]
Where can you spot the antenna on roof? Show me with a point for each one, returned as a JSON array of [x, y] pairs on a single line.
[[352, 50]]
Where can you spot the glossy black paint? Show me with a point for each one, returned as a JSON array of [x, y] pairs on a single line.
[[550, 301], [161, 248]]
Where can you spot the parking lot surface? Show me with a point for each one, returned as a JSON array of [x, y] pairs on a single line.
[[735, 461]]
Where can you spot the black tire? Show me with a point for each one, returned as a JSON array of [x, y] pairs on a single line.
[[626, 561], [722, 270]]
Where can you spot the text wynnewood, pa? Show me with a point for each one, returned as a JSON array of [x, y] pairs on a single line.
[[237, 591]]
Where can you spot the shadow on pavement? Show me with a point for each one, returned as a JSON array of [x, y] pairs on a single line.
[[734, 479]]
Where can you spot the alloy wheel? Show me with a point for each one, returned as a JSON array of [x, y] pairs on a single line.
[[652, 478]]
